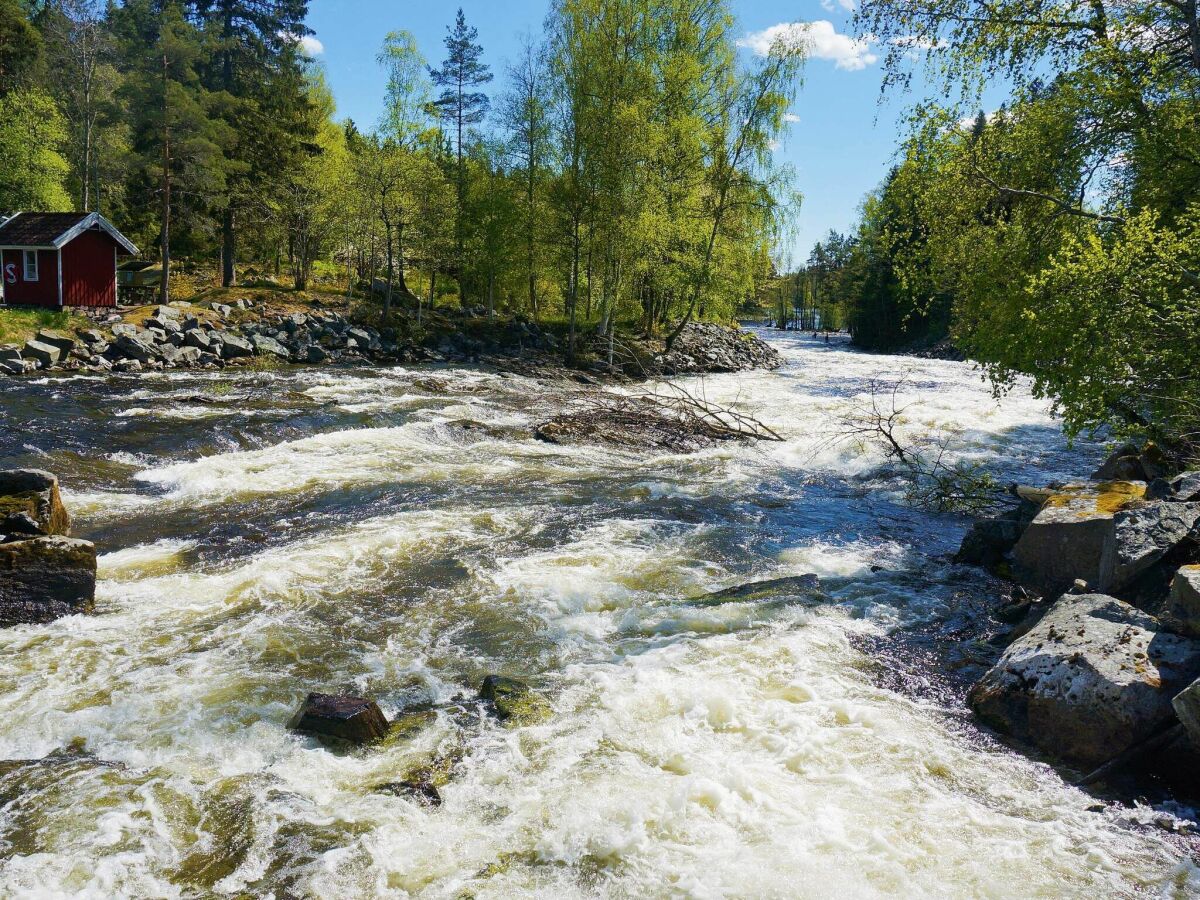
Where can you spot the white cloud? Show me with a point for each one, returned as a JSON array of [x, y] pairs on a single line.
[[791, 117], [820, 39], [308, 43], [831, 5], [310, 46]]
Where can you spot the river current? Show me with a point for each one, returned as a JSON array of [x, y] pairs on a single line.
[[398, 533]]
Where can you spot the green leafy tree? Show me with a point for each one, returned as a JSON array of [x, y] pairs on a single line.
[[33, 170]]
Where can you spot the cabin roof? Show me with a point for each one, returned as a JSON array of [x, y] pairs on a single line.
[[52, 230]]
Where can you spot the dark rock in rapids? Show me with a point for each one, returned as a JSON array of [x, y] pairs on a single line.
[[423, 791], [34, 493], [802, 587], [1093, 678], [46, 577], [511, 699], [356, 720]]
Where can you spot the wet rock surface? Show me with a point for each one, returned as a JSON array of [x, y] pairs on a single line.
[[1094, 677], [355, 720], [46, 577]]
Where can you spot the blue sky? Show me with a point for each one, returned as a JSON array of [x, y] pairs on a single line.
[[840, 146]]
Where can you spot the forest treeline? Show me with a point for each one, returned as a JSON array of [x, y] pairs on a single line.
[[625, 170], [1056, 235]]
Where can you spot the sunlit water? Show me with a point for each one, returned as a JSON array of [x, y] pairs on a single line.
[[264, 535]]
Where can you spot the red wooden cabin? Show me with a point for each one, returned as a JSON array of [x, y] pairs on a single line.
[[60, 259]]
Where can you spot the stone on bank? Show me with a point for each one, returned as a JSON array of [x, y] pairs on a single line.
[[1093, 678]]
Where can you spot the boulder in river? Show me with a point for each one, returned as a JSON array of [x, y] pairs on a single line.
[[45, 577], [355, 720], [1093, 678], [804, 587], [1073, 537], [511, 699], [34, 493]]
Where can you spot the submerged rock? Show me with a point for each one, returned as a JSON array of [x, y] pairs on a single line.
[[512, 699], [356, 720], [807, 587], [33, 493], [1094, 677], [44, 578]]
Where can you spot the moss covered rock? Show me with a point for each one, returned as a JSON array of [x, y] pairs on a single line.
[[31, 493], [513, 700]]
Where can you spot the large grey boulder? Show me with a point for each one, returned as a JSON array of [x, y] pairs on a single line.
[[233, 346], [33, 493], [43, 578], [1181, 611], [64, 343], [198, 339], [270, 346], [46, 355], [1094, 677], [136, 347], [1073, 537], [1145, 532]]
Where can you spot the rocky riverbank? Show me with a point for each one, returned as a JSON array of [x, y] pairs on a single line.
[[214, 335], [1093, 654]]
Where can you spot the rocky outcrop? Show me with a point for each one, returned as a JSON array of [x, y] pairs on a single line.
[[1181, 612], [1073, 538], [355, 720], [1093, 678], [45, 577], [31, 495], [703, 347], [1134, 462], [1146, 532]]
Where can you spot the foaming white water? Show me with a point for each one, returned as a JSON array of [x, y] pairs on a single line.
[[735, 749]]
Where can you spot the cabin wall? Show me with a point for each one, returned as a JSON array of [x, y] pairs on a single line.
[[90, 271], [18, 291]]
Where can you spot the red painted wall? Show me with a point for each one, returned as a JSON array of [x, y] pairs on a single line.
[[90, 271], [18, 291]]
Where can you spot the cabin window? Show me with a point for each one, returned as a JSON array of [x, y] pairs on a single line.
[[31, 260]]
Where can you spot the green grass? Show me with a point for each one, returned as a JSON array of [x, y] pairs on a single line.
[[19, 325]]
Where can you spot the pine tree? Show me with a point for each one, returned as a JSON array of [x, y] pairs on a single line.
[[460, 105], [178, 141], [258, 66]]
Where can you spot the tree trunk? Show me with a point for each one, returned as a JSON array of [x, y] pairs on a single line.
[[387, 294], [491, 295], [228, 248], [164, 285]]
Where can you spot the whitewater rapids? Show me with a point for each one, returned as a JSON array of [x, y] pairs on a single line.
[[268, 534]]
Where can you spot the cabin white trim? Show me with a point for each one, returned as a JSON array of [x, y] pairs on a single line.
[[95, 220], [29, 272]]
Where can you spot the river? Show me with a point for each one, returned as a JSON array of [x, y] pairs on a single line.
[[264, 534]]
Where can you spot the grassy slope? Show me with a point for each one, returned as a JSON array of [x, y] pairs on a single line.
[[19, 325]]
